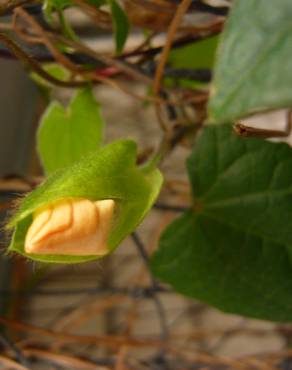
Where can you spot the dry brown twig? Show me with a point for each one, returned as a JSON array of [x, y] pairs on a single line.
[[42, 38], [121, 358], [87, 76], [39, 35], [86, 312], [62, 359], [7, 363], [111, 341], [7, 5], [99, 17], [35, 66], [181, 9]]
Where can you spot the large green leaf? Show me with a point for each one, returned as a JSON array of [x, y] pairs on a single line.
[[233, 248], [253, 70], [67, 134], [110, 173]]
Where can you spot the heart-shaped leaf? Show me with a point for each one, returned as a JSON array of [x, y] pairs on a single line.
[[67, 134], [233, 248]]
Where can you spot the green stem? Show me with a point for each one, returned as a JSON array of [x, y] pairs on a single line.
[[65, 26], [159, 155]]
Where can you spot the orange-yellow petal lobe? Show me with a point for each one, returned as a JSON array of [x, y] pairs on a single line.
[[43, 227], [76, 227], [106, 212], [41, 217]]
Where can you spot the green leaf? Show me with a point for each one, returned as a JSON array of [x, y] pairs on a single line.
[[56, 70], [120, 24], [109, 173], [233, 248], [253, 71], [67, 134], [97, 3], [57, 4], [119, 18], [196, 55], [49, 6]]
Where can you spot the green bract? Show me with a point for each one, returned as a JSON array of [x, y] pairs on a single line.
[[109, 173]]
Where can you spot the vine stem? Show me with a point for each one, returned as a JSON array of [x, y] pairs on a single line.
[[182, 8], [8, 5], [27, 60], [19, 356], [61, 58], [159, 155], [159, 307], [168, 142], [160, 358]]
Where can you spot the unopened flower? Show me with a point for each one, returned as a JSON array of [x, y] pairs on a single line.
[[83, 211], [73, 226]]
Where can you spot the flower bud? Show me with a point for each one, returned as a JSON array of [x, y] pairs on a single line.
[[73, 226]]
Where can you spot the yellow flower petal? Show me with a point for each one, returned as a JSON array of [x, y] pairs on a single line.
[[71, 227]]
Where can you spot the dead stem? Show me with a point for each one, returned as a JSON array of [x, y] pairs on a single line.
[[181, 9], [42, 38], [35, 66]]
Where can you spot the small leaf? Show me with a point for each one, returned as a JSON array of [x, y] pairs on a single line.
[[253, 69], [57, 4], [233, 248], [56, 70], [119, 18], [67, 134], [49, 6], [196, 55], [97, 3], [109, 173], [120, 23]]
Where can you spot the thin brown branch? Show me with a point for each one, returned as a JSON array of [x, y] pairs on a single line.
[[180, 42], [63, 360], [181, 9], [122, 66], [105, 340], [86, 312], [7, 363], [6, 27], [121, 358], [35, 66], [39, 31], [99, 17], [7, 5]]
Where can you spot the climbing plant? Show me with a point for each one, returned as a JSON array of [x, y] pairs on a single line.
[[213, 66]]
